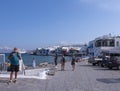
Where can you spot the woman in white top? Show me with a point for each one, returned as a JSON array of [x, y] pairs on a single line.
[[34, 63]]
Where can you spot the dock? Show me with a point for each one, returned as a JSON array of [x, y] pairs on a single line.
[[85, 78]]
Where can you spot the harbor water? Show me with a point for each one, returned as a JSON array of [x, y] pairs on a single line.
[[27, 58]]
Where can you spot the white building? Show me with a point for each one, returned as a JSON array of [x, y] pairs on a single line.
[[67, 50], [104, 43]]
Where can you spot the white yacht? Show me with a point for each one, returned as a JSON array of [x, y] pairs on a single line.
[[22, 51]]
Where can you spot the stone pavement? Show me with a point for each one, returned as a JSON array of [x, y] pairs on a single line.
[[85, 78]]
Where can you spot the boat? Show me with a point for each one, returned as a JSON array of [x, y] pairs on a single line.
[[22, 51]]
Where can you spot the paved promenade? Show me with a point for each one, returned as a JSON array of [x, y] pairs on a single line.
[[85, 78]]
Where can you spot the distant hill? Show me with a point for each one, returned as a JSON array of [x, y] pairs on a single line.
[[8, 50]]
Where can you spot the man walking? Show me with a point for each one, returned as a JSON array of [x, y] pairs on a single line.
[[55, 59], [73, 62], [63, 63], [14, 58]]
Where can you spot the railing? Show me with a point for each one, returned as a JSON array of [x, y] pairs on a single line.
[[3, 67], [3, 64]]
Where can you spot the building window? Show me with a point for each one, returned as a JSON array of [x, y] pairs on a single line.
[[98, 43], [117, 43], [104, 43], [112, 43]]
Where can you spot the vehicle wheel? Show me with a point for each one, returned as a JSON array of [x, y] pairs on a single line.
[[118, 68], [110, 68], [93, 64], [98, 63], [102, 65]]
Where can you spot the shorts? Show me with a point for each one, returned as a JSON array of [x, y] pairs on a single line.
[[72, 63], [14, 68]]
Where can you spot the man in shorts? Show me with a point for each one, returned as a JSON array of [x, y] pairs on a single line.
[[55, 59], [14, 58], [63, 63], [73, 62]]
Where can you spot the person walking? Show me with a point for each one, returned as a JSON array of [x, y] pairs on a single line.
[[63, 63], [14, 58], [55, 59], [34, 63], [73, 63]]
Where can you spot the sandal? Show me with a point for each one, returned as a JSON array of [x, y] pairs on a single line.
[[15, 81], [10, 81]]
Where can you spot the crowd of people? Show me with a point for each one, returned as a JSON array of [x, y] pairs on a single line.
[[63, 61]]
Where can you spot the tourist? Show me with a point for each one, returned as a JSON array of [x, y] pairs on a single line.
[[73, 63], [14, 58], [34, 63], [55, 59], [63, 63]]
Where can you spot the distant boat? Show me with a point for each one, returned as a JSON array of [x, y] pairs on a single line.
[[23, 51]]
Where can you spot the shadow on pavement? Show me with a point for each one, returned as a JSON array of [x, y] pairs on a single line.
[[102, 69], [109, 80], [99, 68], [64, 70], [88, 66], [106, 69], [3, 81]]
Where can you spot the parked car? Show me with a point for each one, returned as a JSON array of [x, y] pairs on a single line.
[[104, 61], [85, 58], [114, 61], [111, 60], [95, 60]]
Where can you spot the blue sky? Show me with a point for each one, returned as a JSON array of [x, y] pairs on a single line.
[[37, 23]]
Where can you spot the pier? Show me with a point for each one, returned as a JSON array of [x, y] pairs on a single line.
[[85, 78]]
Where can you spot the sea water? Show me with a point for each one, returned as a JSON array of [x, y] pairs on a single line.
[[27, 59]]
